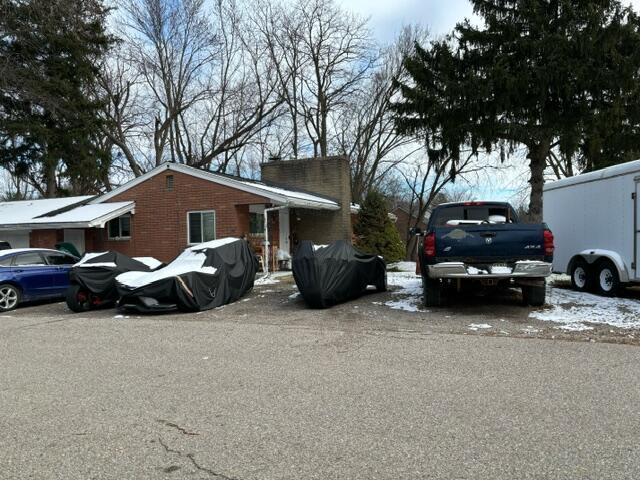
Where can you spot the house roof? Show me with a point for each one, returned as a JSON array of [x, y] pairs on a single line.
[[69, 212], [278, 195]]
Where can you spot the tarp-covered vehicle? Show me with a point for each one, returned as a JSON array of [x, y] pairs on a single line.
[[331, 274], [92, 281], [202, 277]]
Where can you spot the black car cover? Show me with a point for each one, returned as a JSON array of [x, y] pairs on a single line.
[[335, 273], [235, 270], [98, 274]]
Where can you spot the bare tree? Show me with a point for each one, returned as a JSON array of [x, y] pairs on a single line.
[[336, 54], [365, 131], [119, 85], [426, 181], [209, 82]]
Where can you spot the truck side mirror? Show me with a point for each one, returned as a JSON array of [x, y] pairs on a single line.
[[415, 231]]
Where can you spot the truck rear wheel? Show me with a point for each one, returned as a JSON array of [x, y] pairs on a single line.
[[607, 278], [432, 292], [581, 276], [534, 295]]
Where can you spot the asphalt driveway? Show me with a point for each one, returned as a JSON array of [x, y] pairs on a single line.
[[266, 389]]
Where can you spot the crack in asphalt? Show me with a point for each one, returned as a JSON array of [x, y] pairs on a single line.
[[193, 461], [177, 427]]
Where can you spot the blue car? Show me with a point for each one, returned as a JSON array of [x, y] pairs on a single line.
[[28, 274]]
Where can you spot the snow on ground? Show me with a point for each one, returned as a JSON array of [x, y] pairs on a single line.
[[479, 326], [403, 266], [266, 280], [410, 288], [572, 309]]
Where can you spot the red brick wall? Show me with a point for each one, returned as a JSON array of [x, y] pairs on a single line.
[[45, 238], [159, 225]]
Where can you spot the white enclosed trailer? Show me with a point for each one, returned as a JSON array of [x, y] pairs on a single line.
[[595, 219]]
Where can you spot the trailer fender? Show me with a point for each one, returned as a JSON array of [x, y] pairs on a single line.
[[591, 256]]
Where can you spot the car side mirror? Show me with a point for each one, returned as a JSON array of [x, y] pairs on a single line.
[[415, 231]]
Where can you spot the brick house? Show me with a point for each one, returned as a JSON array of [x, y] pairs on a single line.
[[173, 205]]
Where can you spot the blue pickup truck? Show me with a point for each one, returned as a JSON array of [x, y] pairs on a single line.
[[482, 244]]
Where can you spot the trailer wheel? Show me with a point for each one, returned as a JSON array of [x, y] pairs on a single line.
[[78, 299], [581, 276], [607, 279], [534, 295], [432, 292]]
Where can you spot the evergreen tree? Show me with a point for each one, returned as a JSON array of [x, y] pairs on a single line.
[[49, 122], [374, 230], [546, 74]]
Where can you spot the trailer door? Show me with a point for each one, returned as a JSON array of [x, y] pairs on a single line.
[[636, 226]]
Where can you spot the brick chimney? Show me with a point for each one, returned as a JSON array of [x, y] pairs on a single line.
[[328, 177]]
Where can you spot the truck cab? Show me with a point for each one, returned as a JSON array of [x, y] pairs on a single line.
[[480, 245]]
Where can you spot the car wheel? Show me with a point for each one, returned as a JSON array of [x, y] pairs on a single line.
[[534, 295], [581, 276], [381, 285], [9, 297], [607, 279], [432, 292], [78, 299]]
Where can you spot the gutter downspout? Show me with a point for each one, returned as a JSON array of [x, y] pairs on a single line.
[[266, 236]]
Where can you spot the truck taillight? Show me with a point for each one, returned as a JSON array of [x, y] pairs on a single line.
[[548, 243], [430, 245]]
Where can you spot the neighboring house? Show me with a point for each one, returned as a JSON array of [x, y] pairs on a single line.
[[172, 206], [404, 221]]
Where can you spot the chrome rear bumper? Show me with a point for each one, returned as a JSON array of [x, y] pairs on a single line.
[[521, 269]]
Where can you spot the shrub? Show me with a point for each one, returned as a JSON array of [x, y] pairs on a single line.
[[375, 232]]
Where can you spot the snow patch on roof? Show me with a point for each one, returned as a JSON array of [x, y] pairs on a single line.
[[25, 211], [85, 213]]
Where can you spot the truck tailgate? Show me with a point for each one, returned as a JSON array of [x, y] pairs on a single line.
[[490, 243]]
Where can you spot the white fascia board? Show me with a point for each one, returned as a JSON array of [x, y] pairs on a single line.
[[312, 205], [101, 221]]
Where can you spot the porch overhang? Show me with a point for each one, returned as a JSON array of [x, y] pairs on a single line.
[[83, 216]]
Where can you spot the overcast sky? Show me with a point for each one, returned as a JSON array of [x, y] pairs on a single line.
[[440, 16]]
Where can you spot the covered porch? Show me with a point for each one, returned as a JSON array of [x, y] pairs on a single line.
[[275, 229]]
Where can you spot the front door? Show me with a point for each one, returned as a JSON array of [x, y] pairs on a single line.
[[75, 237], [284, 230], [637, 228]]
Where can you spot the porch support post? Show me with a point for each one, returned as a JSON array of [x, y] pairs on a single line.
[[266, 236]]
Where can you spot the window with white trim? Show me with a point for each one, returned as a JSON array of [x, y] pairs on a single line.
[[119, 228], [201, 226]]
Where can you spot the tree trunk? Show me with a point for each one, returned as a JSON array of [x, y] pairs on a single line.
[[538, 161], [50, 177]]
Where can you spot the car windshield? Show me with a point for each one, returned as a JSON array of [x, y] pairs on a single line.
[[472, 215]]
